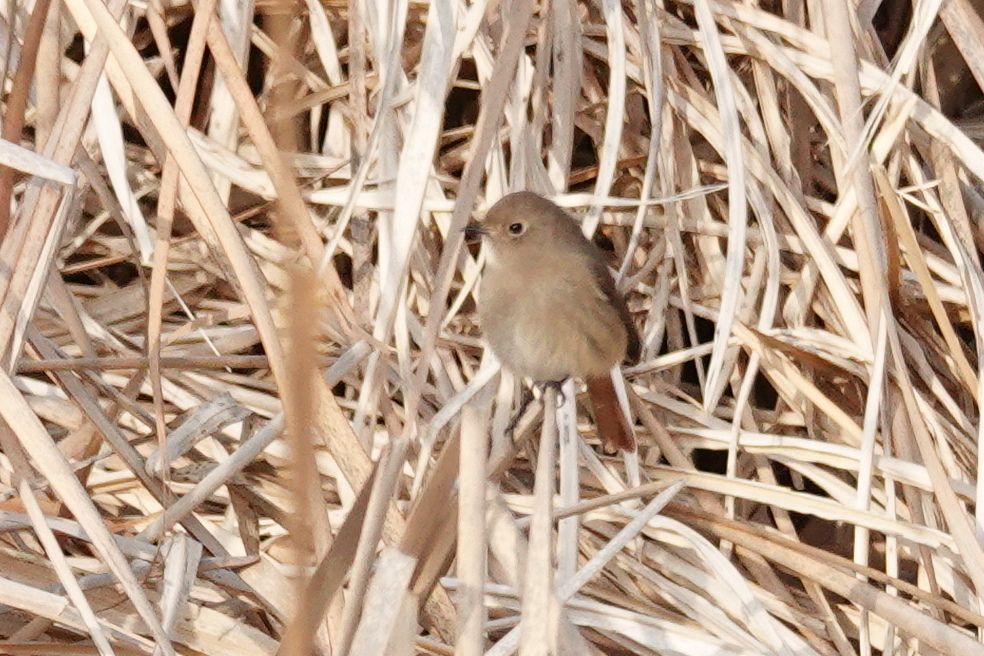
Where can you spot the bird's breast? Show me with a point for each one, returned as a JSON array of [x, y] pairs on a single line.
[[550, 325]]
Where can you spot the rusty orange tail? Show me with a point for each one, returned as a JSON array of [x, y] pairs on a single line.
[[614, 431]]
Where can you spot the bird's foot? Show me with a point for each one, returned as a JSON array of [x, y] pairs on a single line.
[[526, 397], [557, 386]]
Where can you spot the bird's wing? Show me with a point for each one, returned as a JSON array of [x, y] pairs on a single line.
[[606, 286]]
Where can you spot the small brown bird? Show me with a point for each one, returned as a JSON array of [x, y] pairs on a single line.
[[549, 307]]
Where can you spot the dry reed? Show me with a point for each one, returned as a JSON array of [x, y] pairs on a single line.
[[245, 407]]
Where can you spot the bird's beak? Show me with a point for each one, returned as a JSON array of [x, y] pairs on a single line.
[[474, 230]]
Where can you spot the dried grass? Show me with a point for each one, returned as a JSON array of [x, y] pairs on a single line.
[[245, 407]]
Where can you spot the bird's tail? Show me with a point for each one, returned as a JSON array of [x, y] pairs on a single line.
[[613, 429]]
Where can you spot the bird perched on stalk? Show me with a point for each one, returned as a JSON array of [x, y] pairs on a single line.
[[549, 308]]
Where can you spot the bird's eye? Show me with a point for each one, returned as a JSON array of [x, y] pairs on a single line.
[[516, 228]]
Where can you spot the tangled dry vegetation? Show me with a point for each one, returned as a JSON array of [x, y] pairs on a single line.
[[246, 406]]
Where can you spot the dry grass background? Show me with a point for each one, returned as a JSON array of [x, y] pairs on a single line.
[[245, 405]]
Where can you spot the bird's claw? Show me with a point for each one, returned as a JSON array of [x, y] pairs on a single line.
[[526, 397], [557, 386]]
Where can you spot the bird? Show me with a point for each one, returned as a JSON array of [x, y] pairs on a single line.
[[549, 308]]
